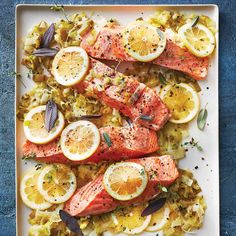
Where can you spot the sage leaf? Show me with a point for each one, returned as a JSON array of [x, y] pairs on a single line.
[[154, 206], [45, 52], [162, 79], [95, 116], [195, 21], [202, 118], [48, 36], [51, 115], [71, 222], [147, 118], [107, 139]]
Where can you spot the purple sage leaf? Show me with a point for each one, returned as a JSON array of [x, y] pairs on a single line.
[[154, 206], [48, 36], [51, 115], [45, 52], [70, 222]]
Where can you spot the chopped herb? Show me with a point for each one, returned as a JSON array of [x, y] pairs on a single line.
[[162, 188], [162, 79], [38, 166], [147, 118], [142, 172], [51, 115], [29, 156], [107, 139], [202, 118], [57, 8], [195, 21], [192, 143]]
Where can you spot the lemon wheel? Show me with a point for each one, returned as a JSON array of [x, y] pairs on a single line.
[[125, 180], [70, 65], [129, 219], [182, 100], [143, 41], [159, 219], [80, 140], [198, 39], [34, 126], [57, 183], [30, 194]]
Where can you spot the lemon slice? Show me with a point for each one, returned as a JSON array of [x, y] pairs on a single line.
[[80, 140], [198, 39], [57, 183], [143, 41], [125, 180], [70, 65], [30, 194], [129, 219], [182, 100], [159, 219], [34, 126]]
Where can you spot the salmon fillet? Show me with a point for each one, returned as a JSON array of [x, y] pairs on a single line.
[[126, 143], [126, 94], [93, 199], [109, 46]]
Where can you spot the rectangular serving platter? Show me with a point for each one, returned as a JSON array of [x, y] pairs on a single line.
[[207, 173]]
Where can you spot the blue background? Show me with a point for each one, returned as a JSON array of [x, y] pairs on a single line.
[[227, 108]]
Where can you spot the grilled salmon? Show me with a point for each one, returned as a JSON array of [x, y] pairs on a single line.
[[93, 199], [108, 45], [126, 143], [132, 98]]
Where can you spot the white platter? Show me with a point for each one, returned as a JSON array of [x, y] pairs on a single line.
[[207, 173]]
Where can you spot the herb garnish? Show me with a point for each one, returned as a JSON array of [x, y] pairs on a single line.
[[71, 222], [154, 206], [202, 117], [51, 115], [192, 143], [162, 79], [162, 188], [91, 116], [195, 21], [29, 156], [45, 52], [147, 118], [48, 36], [59, 8], [107, 139]]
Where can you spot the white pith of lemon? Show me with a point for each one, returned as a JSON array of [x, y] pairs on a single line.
[[57, 183], [159, 219], [125, 180], [143, 41], [79, 140], [182, 101], [29, 192], [70, 65], [130, 221], [34, 126], [198, 39]]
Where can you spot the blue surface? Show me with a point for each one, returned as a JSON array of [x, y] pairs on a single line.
[[227, 109]]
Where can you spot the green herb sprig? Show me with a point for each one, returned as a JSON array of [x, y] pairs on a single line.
[[194, 144]]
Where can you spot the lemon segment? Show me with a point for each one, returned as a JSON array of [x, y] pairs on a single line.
[[129, 219], [125, 180], [182, 101], [80, 140], [70, 65], [30, 194], [198, 39], [57, 183], [143, 41], [159, 219], [34, 126]]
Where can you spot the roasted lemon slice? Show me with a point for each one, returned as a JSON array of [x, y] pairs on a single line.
[[70, 65], [198, 39], [57, 183], [129, 220], [143, 41], [182, 100], [34, 126], [159, 219], [30, 194], [80, 140], [125, 180]]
